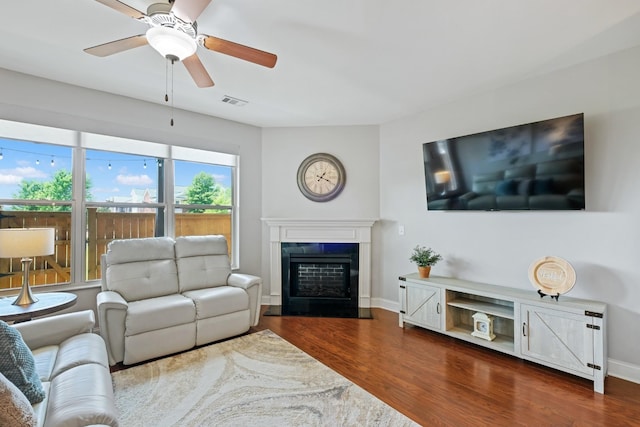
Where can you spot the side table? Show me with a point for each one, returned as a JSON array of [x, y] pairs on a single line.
[[48, 302]]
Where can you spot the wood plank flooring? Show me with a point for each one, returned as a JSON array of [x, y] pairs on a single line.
[[439, 381]]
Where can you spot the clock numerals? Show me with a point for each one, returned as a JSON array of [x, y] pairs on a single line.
[[321, 177]]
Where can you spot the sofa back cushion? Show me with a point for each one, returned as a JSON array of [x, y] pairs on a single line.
[[485, 183], [203, 262], [142, 268], [567, 174]]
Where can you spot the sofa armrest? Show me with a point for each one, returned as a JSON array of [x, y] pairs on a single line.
[[55, 329], [112, 313], [253, 286], [244, 281], [103, 272], [468, 196]]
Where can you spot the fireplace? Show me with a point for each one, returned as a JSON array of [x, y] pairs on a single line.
[[324, 232], [320, 279]]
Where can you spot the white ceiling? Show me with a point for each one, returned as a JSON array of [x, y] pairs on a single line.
[[340, 62]]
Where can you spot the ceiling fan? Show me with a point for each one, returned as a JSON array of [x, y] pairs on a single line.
[[173, 32]]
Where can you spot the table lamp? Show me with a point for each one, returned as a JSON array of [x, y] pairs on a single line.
[[25, 243], [442, 177]]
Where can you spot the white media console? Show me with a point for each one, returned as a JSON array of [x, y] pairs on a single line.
[[568, 334]]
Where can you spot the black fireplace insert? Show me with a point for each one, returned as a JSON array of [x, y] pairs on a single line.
[[320, 279]]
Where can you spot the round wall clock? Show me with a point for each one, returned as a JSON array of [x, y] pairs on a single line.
[[321, 177]]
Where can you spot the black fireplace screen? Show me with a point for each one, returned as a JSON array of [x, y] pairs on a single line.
[[320, 279]]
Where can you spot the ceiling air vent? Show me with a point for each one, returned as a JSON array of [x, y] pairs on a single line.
[[234, 101]]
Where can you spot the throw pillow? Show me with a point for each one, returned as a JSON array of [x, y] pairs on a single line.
[[543, 186], [506, 188], [524, 187], [18, 365], [15, 410]]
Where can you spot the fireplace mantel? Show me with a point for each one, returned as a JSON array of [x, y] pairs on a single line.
[[320, 230]]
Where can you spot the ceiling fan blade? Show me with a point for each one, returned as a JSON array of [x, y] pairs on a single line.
[[247, 53], [198, 72], [117, 46], [122, 8], [189, 10]]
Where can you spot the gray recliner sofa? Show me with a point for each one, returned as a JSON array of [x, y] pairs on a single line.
[[71, 362], [553, 185], [161, 296]]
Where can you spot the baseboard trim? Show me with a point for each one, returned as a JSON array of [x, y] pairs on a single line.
[[375, 303], [624, 370], [385, 304]]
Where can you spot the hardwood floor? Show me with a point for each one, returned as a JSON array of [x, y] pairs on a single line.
[[439, 381]]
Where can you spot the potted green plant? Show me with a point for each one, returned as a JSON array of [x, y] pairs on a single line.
[[425, 258]]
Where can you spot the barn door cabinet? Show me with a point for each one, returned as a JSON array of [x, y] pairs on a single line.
[[566, 338], [420, 305], [568, 334]]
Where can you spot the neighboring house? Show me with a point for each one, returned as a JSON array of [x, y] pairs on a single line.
[[146, 195]]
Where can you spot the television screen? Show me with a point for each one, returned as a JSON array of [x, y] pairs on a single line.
[[534, 166]]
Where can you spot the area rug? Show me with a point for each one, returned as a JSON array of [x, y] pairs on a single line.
[[254, 380]]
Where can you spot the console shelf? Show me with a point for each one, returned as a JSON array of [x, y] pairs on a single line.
[[502, 343], [485, 307], [568, 334]]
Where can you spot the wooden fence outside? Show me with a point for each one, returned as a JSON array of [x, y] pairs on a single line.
[[102, 228]]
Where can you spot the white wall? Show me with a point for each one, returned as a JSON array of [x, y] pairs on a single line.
[[497, 247], [283, 151], [34, 100]]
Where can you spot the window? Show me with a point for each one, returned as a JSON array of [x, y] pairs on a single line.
[[203, 200], [36, 191], [66, 180], [122, 201]]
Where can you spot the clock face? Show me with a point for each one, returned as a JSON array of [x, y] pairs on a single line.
[[482, 327], [321, 177]]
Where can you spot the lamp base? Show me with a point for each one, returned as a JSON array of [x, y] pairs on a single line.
[[25, 297]]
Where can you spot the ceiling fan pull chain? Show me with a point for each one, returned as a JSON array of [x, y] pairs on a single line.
[[166, 80], [172, 68]]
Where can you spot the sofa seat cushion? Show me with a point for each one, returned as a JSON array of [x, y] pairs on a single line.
[[484, 202], [512, 202], [159, 313], [40, 409], [217, 301], [81, 396], [79, 350], [45, 358], [52, 360]]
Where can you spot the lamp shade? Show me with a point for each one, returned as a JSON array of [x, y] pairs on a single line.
[[442, 177], [171, 42], [26, 242]]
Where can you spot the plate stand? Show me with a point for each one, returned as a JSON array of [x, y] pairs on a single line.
[[542, 295]]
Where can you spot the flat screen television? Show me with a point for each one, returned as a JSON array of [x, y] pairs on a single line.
[[534, 166]]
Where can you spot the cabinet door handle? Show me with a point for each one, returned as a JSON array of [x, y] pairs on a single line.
[[438, 308], [524, 329]]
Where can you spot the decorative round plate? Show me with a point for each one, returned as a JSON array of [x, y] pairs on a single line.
[[552, 275]]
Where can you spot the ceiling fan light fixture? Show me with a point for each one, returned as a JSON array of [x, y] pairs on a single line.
[[171, 42]]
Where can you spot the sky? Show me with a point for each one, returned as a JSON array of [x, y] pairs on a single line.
[[111, 174]]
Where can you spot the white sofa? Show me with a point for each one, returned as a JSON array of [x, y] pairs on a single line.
[[161, 296], [71, 362]]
